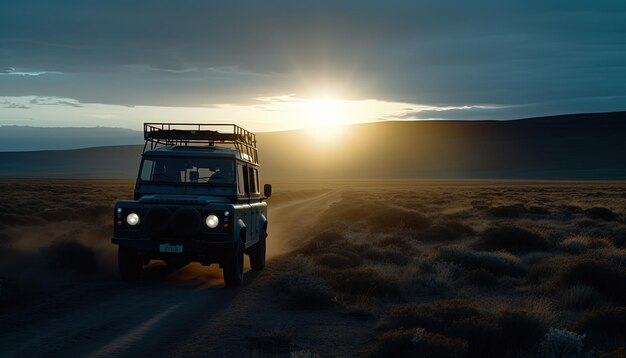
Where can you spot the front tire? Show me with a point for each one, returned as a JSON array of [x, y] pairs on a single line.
[[233, 266], [257, 253], [129, 264]]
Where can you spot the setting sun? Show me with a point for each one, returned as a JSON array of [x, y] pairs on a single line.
[[325, 116]]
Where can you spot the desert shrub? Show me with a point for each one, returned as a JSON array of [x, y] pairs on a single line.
[[598, 212], [549, 267], [322, 242], [606, 278], [395, 241], [605, 327], [480, 333], [338, 259], [277, 341], [586, 224], [507, 211], [396, 257], [520, 332], [417, 343], [480, 278], [303, 290], [434, 317], [303, 354], [563, 344], [580, 296], [574, 245], [496, 263], [619, 238], [538, 210], [511, 239], [429, 277], [69, 256], [436, 345], [515, 211], [364, 281], [392, 217], [447, 231], [570, 210]]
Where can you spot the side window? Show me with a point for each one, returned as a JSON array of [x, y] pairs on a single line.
[[146, 170], [254, 187], [242, 180], [256, 181]]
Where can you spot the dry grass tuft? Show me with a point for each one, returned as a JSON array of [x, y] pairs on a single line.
[[605, 277], [303, 290], [605, 327], [497, 263], [512, 239], [580, 296], [392, 217], [480, 278], [515, 211], [417, 343], [601, 213], [445, 231]]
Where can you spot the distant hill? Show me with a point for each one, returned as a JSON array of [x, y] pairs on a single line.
[[22, 138], [582, 146]]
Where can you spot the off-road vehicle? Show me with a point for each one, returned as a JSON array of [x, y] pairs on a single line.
[[196, 199]]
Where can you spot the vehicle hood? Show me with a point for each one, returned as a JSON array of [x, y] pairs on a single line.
[[181, 199]]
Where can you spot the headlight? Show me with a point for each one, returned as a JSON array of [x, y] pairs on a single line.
[[132, 219], [212, 221]]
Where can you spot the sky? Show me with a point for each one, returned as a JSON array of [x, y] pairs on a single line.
[[277, 65]]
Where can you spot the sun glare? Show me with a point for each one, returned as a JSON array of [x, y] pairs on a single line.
[[326, 117]]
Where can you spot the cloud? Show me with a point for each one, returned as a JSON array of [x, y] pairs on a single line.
[[13, 72], [140, 67], [55, 101]]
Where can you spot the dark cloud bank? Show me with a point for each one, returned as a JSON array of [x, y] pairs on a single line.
[[534, 58]]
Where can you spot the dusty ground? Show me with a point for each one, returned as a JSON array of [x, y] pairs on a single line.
[[357, 268]]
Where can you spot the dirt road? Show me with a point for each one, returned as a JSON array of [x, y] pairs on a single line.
[[183, 313]]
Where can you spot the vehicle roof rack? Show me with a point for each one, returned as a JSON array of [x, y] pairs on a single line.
[[184, 134]]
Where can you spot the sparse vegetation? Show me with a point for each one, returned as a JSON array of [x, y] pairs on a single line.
[[442, 270]]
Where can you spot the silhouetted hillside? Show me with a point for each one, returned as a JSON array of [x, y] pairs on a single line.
[[116, 161], [585, 146], [581, 146], [21, 138]]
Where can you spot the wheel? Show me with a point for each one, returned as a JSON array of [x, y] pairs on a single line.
[[233, 266], [129, 264], [257, 253]]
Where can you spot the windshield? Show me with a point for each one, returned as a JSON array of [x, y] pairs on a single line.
[[187, 170]]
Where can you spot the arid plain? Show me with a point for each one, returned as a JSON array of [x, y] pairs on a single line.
[[357, 268]]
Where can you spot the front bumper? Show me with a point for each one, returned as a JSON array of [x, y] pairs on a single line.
[[193, 250]]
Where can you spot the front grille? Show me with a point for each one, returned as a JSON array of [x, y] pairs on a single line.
[[180, 223]]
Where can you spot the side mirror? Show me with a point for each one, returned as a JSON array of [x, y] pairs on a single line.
[[267, 190]]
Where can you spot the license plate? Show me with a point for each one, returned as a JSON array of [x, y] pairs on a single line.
[[171, 248]]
